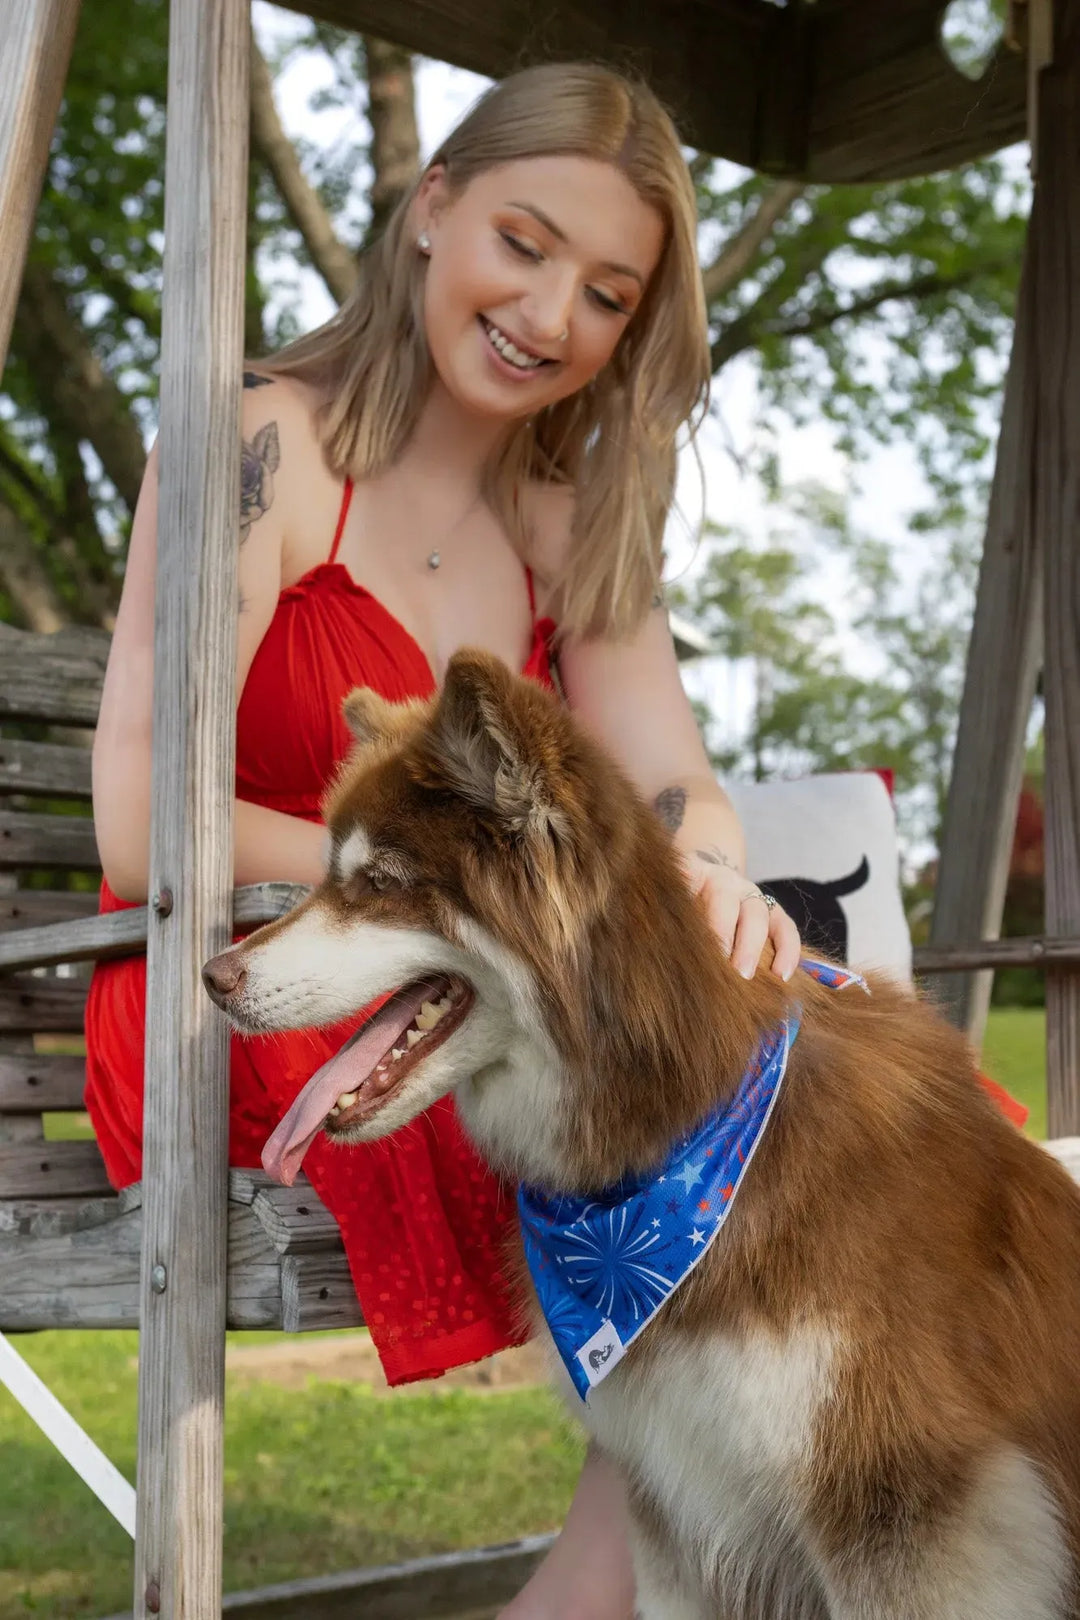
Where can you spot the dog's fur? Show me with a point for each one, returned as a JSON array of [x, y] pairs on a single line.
[[864, 1402]]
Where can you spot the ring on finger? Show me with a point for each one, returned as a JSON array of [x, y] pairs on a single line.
[[770, 900]]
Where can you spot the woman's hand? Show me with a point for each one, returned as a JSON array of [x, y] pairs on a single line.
[[743, 917]]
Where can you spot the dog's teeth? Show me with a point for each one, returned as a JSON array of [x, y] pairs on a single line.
[[346, 1099], [412, 1036], [397, 1052], [444, 1005], [428, 1016]]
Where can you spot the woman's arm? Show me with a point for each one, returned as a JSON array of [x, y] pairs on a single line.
[[631, 697], [268, 845]]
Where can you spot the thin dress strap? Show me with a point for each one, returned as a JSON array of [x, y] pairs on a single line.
[[346, 497], [532, 591]]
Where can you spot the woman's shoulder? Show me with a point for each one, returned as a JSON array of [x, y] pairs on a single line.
[[282, 450]]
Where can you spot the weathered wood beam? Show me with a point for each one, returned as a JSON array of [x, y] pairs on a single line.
[[470, 1585], [122, 933], [831, 92], [36, 37], [1037, 951], [1003, 661], [1056, 458], [183, 1284]]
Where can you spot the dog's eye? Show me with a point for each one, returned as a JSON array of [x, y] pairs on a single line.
[[380, 880]]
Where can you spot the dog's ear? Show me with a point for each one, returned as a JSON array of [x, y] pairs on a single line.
[[478, 743], [373, 719]]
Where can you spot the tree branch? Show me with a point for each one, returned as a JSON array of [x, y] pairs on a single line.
[[746, 333], [78, 394], [736, 257], [331, 258]]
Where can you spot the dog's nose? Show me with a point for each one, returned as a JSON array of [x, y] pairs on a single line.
[[223, 975]]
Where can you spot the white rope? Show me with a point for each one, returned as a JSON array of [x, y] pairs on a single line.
[[74, 1445]]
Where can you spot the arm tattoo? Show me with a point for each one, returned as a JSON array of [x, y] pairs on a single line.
[[253, 379], [259, 460], [658, 598], [670, 806], [716, 857]]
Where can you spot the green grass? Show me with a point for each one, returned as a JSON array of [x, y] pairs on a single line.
[[1014, 1054], [326, 1479]]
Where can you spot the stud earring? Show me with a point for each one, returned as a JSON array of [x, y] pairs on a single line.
[[423, 242]]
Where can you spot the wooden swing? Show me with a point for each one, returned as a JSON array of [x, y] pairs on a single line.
[[818, 90]]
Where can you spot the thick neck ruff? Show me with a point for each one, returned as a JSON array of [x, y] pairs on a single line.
[[603, 1266]]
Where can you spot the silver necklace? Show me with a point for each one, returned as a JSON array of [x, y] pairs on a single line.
[[434, 557]]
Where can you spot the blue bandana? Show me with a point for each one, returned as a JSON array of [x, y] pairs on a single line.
[[603, 1266]]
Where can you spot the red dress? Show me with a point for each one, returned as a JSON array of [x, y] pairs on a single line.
[[422, 1218]]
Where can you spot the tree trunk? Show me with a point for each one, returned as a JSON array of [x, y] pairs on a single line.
[[80, 398], [395, 139], [24, 577]]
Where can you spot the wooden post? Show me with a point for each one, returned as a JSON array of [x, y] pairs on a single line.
[[1056, 404], [35, 48], [181, 1357], [999, 687]]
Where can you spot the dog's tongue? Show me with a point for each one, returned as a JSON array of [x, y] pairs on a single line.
[[347, 1070]]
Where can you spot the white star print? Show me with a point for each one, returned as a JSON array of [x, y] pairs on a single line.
[[697, 1237]]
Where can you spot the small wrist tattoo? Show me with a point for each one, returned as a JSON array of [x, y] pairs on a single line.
[[670, 806], [716, 857]]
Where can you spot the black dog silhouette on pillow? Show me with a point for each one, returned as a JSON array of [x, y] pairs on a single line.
[[815, 908]]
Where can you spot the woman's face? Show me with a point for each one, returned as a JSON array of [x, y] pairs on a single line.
[[528, 252]]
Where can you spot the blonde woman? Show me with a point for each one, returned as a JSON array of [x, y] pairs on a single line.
[[479, 449]]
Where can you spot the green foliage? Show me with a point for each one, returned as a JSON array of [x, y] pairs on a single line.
[[328, 1478], [850, 665], [885, 309]]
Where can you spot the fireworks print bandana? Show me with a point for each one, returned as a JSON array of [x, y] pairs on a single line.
[[603, 1266]]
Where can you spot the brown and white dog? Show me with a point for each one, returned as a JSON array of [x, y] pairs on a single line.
[[864, 1402]]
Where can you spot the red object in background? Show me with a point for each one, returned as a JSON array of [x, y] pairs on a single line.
[[1013, 1110], [888, 776]]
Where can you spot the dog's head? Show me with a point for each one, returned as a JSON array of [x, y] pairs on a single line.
[[497, 885], [474, 842]]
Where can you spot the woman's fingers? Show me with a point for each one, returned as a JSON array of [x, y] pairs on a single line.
[[723, 904], [751, 933], [786, 943]]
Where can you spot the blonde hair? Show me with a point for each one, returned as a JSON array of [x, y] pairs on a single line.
[[614, 440]]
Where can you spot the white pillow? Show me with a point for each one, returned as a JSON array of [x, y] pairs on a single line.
[[826, 846]]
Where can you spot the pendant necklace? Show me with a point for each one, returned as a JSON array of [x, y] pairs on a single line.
[[434, 557]]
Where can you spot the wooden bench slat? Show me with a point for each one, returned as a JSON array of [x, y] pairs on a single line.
[[60, 770], [78, 1266], [36, 1006], [55, 678], [31, 840], [40, 1084], [52, 1170], [123, 933], [39, 908]]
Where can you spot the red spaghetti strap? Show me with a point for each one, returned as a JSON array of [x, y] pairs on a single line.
[[346, 497], [532, 590]]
